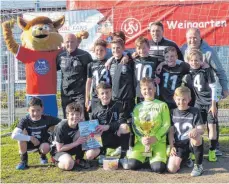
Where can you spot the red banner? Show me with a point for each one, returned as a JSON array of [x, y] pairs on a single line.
[[134, 18]]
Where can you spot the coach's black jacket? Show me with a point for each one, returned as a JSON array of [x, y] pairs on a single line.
[[73, 68], [157, 49]]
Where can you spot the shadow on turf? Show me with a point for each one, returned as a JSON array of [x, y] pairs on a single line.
[[76, 168], [93, 166]]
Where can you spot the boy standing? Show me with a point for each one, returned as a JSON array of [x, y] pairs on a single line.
[[203, 83], [123, 78], [112, 124], [32, 133], [145, 65], [155, 113], [186, 133], [171, 76], [96, 72], [68, 141]]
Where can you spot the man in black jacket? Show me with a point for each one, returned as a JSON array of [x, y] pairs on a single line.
[[159, 43]]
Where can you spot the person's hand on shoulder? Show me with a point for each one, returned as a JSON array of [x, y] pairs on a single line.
[[134, 55], [159, 67], [125, 59], [108, 63]]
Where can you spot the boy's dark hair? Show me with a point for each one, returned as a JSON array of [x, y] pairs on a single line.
[[146, 80], [118, 41], [103, 85], [74, 107], [120, 34], [35, 101], [170, 49], [100, 42], [157, 23], [140, 40]]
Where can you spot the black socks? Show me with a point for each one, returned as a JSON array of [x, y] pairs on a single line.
[[198, 152], [124, 144], [213, 145], [24, 157]]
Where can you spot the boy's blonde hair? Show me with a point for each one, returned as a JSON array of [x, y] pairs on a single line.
[[146, 80], [195, 52], [182, 90], [140, 40], [118, 41]]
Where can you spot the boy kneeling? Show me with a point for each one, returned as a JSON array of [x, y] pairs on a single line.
[[186, 133], [32, 133], [112, 124], [151, 123], [68, 140]]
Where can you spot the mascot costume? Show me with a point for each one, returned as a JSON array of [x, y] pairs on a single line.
[[41, 43]]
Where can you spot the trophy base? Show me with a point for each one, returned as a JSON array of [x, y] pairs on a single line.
[[147, 154]]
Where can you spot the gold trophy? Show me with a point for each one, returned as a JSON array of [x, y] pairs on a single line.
[[146, 126]]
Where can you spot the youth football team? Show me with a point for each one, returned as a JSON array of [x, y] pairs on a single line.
[[126, 94]]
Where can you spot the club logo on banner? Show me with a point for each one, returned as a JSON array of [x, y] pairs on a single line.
[[131, 27]]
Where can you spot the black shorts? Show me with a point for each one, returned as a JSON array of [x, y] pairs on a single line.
[[206, 116], [77, 151], [183, 148], [110, 140], [30, 145]]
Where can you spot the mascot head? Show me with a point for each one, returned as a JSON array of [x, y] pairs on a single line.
[[41, 33]]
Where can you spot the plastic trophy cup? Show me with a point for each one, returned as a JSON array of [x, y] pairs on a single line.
[[146, 126]]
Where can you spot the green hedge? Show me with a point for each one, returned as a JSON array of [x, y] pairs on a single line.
[[20, 99], [4, 100], [21, 102], [224, 104]]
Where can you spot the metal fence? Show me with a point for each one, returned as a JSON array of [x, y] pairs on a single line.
[[12, 72]]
